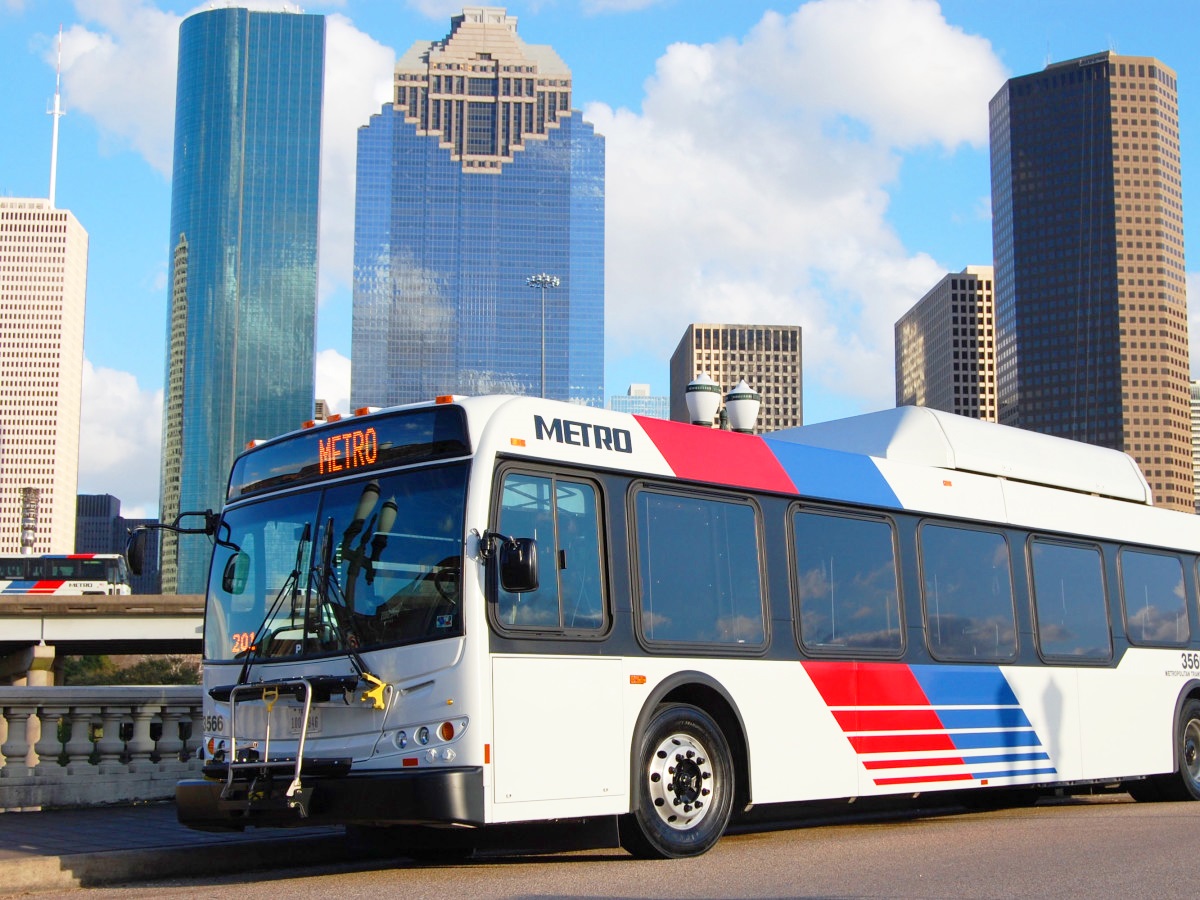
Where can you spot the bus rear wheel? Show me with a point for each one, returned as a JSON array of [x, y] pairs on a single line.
[[682, 786], [1184, 782]]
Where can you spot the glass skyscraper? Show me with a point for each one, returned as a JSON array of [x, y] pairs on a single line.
[[241, 324], [1087, 228], [477, 178]]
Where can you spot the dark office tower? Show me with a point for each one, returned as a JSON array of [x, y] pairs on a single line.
[[1091, 311], [240, 357], [479, 226]]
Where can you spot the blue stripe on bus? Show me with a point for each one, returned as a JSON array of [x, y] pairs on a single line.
[[832, 474], [965, 686], [987, 740], [1004, 757], [983, 718], [19, 587]]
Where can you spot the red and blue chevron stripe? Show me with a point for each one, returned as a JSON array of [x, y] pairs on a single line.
[[915, 725], [30, 587]]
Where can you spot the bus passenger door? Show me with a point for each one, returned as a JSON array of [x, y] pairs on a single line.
[[558, 731], [558, 718]]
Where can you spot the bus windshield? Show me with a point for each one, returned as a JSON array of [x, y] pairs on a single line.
[[346, 567]]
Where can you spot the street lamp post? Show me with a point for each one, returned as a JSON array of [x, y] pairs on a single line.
[[543, 281]]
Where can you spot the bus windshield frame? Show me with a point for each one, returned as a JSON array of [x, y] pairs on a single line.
[[341, 566]]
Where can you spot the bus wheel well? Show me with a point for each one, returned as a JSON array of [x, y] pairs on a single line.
[[717, 705]]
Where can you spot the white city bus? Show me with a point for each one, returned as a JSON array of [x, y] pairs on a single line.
[[64, 574], [498, 610]]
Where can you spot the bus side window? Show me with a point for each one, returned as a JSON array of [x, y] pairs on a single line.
[[1070, 601], [847, 584], [699, 572], [967, 590], [1155, 599], [562, 516]]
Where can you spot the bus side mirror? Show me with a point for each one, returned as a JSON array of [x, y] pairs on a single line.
[[233, 579], [135, 550], [518, 565]]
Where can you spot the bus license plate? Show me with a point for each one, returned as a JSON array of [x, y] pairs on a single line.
[[296, 718]]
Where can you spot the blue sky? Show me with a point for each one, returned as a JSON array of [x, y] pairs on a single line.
[[819, 163]]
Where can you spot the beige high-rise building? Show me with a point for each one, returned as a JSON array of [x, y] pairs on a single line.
[[945, 347], [768, 357], [1087, 235], [43, 283], [1195, 394]]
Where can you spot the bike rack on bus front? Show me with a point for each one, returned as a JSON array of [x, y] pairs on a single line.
[[263, 766]]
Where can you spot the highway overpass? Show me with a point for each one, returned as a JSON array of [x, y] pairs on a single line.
[[34, 629]]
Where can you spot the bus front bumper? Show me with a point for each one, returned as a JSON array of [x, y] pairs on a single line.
[[445, 796]]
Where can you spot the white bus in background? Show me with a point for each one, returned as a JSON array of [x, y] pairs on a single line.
[[75, 573], [496, 610]]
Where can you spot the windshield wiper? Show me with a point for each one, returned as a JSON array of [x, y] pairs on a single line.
[[290, 587], [331, 597]]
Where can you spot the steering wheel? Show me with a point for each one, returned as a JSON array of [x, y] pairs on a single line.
[[445, 579]]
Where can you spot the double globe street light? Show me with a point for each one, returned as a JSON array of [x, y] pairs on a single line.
[[542, 281]]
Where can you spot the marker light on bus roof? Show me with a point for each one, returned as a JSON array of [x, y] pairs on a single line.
[[366, 410], [444, 398]]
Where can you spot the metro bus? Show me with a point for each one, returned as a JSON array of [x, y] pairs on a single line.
[[493, 610], [75, 573]]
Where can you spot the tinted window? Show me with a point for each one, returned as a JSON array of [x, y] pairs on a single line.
[[561, 515], [1072, 612], [968, 599], [1155, 599], [846, 583], [698, 562]]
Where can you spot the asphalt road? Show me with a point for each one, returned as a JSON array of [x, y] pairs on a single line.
[[1099, 848]]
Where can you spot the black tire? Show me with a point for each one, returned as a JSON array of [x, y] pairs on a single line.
[[1184, 782], [683, 785]]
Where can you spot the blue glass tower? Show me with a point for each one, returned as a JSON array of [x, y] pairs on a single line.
[[479, 176], [244, 198]]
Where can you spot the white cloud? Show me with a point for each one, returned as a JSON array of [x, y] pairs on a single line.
[[437, 9], [120, 436], [753, 185], [119, 69], [358, 81], [333, 380]]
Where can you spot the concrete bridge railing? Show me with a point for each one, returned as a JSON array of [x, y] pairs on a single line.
[[89, 746]]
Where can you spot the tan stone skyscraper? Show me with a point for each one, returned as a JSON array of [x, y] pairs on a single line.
[[946, 347], [43, 284], [1091, 305], [767, 356]]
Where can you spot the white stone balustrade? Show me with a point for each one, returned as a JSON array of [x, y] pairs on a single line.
[[89, 746]]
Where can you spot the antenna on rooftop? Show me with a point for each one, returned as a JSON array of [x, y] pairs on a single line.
[[57, 112]]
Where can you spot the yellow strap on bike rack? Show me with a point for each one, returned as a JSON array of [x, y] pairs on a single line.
[[270, 697], [373, 695]]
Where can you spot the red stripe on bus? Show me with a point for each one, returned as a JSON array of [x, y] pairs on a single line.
[[925, 779], [866, 684], [887, 719], [46, 587], [717, 457], [901, 743], [920, 762]]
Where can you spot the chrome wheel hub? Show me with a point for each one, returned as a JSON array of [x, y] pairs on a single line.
[[680, 781]]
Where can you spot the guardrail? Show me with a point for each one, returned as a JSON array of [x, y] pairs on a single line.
[[90, 746]]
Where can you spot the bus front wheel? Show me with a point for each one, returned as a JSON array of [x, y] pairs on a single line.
[[682, 785]]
